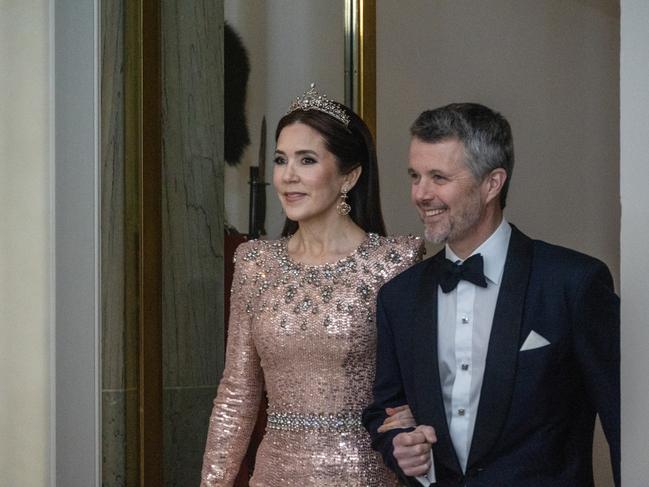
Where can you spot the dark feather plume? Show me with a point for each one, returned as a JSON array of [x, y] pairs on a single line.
[[237, 69]]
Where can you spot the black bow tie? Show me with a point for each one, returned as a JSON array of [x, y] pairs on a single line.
[[470, 270]]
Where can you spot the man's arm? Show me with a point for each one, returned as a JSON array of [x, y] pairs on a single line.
[[596, 315], [388, 389], [410, 447]]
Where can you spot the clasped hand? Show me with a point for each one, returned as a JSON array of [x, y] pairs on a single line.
[[411, 449]]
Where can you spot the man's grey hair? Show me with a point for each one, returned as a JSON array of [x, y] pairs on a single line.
[[485, 135]]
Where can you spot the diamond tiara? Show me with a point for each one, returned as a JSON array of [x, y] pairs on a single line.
[[312, 100]]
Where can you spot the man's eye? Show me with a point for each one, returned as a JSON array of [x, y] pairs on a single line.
[[279, 160]]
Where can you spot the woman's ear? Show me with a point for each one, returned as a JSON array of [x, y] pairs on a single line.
[[352, 177]]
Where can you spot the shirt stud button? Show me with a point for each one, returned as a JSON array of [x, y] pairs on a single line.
[[465, 366], [465, 320], [461, 411]]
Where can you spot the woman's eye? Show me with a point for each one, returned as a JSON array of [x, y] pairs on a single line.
[[279, 160], [308, 160]]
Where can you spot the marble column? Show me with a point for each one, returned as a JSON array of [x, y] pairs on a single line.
[[192, 234], [192, 227], [119, 343]]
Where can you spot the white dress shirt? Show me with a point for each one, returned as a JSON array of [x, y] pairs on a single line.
[[464, 318]]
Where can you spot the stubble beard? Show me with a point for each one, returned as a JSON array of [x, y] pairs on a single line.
[[437, 233], [455, 227]]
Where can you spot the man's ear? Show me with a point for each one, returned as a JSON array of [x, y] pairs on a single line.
[[493, 183], [352, 177]]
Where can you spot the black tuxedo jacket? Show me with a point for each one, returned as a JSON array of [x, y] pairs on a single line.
[[535, 420]]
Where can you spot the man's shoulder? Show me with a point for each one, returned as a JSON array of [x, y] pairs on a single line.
[[559, 262], [557, 255]]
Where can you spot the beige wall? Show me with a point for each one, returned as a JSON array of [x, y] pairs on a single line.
[[551, 68], [634, 174], [25, 239]]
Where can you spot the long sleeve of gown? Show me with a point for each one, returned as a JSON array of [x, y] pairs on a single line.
[[239, 393]]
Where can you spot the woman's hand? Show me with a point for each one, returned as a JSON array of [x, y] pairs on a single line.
[[399, 417]]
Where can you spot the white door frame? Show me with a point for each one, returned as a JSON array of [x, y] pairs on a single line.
[[75, 165]]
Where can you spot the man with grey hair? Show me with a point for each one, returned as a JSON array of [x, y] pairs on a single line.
[[504, 348]]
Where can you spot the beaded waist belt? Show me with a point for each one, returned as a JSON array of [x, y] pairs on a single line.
[[339, 422]]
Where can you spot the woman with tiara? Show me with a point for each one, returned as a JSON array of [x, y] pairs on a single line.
[[303, 311]]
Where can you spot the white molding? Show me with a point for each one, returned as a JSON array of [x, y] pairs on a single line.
[[97, 231], [75, 166], [52, 239], [634, 238]]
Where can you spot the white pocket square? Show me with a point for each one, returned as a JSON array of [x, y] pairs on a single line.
[[534, 340]]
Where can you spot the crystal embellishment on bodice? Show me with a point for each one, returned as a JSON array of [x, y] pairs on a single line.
[[306, 332]]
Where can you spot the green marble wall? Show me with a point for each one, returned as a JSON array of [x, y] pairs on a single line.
[[192, 226], [118, 344], [192, 203]]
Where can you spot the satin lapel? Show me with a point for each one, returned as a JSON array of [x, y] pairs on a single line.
[[430, 402], [500, 367]]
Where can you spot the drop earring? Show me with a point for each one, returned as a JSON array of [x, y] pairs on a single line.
[[343, 207]]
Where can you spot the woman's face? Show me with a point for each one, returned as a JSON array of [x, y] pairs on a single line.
[[306, 175]]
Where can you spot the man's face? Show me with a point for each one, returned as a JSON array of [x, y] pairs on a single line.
[[444, 191]]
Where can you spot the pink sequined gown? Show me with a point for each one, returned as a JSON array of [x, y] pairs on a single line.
[[307, 332]]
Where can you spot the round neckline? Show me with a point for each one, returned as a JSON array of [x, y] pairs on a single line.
[[364, 243]]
